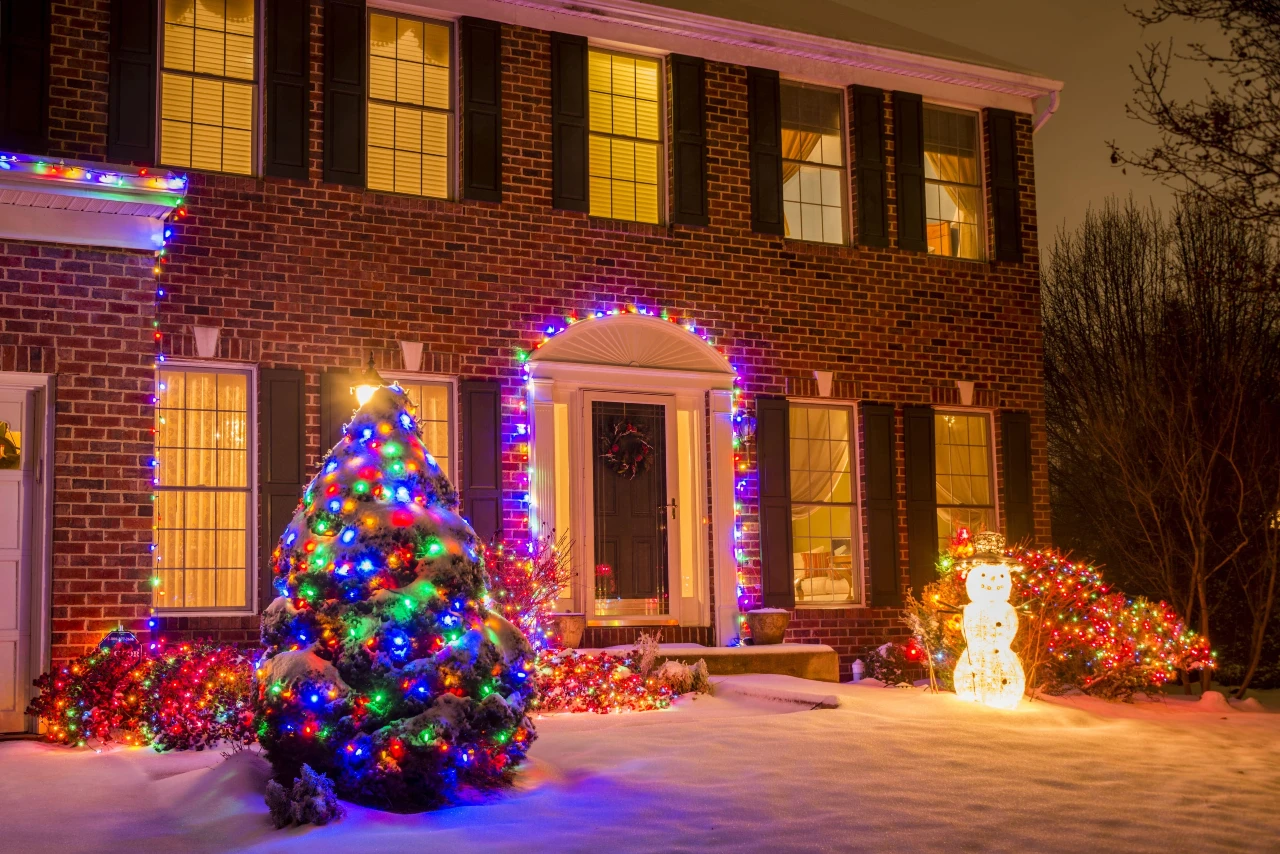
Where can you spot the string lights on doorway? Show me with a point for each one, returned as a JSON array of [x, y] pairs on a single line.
[[526, 502]]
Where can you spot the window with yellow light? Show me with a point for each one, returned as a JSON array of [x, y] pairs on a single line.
[[204, 497], [208, 85], [409, 105], [625, 135]]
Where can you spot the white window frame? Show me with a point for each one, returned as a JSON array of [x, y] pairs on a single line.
[[252, 568], [981, 154], [855, 527], [258, 131], [846, 200], [993, 469], [453, 175], [664, 166], [455, 437]]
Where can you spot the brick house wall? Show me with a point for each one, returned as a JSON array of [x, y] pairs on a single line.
[[313, 276]]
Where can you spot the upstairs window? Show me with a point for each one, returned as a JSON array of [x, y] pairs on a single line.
[[962, 462], [953, 183], [410, 103], [813, 163], [625, 162], [208, 85], [204, 495]]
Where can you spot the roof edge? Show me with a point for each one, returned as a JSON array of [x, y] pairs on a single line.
[[791, 43]]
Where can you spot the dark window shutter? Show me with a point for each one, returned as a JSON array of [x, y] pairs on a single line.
[[764, 141], [882, 504], [131, 88], [282, 420], [922, 496], [482, 456], [908, 166], [288, 88], [773, 453], [1015, 435], [481, 48], [1006, 207], [337, 403], [344, 92], [24, 76], [569, 185], [689, 141], [870, 175]]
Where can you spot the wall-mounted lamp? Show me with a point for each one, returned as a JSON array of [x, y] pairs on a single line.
[[369, 382]]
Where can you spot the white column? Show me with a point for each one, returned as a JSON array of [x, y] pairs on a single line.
[[722, 516], [542, 456]]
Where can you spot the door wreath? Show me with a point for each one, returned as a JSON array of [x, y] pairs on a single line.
[[626, 450]]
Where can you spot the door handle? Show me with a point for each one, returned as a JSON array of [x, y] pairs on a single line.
[[672, 505]]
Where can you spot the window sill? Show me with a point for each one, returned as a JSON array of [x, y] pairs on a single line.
[[168, 613], [817, 247], [955, 259], [830, 606], [627, 226]]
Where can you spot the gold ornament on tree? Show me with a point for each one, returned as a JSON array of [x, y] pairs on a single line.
[[988, 670]]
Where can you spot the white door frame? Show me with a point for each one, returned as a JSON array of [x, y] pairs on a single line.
[[39, 600], [640, 353]]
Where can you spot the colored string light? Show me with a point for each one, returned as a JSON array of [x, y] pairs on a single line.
[[738, 418]]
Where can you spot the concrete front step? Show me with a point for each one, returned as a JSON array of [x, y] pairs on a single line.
[[814, 661]]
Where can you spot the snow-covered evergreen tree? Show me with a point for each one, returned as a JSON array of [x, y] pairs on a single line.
[[383, 667]]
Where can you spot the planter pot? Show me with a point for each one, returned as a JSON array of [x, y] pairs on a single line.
[[768, 625], [568, 629]]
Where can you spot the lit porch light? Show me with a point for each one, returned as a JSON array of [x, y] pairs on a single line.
[[370, 381]]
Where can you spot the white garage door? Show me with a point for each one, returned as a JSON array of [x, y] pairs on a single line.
[[17, 472]]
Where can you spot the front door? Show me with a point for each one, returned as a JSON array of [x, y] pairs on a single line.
[[17, 471], [630, 509]]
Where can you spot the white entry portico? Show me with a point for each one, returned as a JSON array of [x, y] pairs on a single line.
[[685, 387]]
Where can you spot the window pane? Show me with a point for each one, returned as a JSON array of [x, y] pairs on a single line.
[[813, 159], [822, 554], [207, 123], [954, 183], [202, 502], [962, 455], [409, 92], [624, 107]]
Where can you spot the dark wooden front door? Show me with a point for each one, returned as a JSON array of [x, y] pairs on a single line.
[[630, 514]]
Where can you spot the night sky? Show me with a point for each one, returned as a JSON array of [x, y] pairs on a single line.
[[1087, 44]]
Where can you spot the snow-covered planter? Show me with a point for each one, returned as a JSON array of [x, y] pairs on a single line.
[[768, 625], [567, 629]]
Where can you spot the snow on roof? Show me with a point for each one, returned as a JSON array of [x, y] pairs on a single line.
[[836, 20]]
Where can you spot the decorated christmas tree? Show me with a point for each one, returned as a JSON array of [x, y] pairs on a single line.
[[384, 668]]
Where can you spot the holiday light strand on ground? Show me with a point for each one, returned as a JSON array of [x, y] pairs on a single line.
[[525, 500]]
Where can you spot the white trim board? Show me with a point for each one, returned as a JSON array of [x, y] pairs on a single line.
[[41, 598], [818, 59]]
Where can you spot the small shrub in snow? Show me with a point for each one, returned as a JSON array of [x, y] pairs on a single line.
[[683, 678], [647, 648], [894, 664], [311, 800]]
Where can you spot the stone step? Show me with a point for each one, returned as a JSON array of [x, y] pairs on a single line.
[[815, 661]]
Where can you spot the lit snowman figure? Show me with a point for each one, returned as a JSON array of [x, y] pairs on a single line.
[[988, 671]]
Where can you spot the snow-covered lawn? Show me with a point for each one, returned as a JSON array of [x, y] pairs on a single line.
[[886, 770]]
